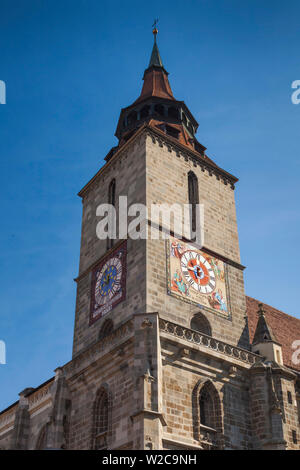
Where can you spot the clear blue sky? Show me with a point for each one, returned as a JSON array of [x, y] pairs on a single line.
[[69, 67]]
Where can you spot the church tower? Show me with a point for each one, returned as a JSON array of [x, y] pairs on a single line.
[[179, 300], [159, 161], [161, 353]]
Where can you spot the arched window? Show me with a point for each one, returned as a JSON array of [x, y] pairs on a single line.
[[193, 201], [132, 118], [106, 329], [173, 113], [207, 415], [42, 439], [159, 109], [200, 323], [145, 111], [112, 201], [207, 411], [102, 408]]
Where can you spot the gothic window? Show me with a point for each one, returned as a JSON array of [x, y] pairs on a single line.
[[207, 415], [41, 440], [106, 329], [201, 324], [207, 412], [101, 419], [193, 198], [112, 201]]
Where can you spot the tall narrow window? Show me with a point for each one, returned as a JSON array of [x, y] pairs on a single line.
[[101, 412], [207, 415], [193, 201], [112, 201], [207, 412]]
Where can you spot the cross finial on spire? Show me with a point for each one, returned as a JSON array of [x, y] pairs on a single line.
[[155, 30]]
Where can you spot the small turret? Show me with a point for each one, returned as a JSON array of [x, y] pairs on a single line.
[[264, 341]]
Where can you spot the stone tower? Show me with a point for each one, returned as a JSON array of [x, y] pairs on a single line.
[[161, 354]]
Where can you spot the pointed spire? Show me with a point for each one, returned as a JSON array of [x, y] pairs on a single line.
[[155, 59], [155, 77], [263, 332]]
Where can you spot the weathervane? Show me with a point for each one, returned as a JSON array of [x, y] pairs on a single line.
[[155, 30]]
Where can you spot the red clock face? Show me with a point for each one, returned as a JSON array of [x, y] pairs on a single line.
[[108, 283], [198, 272]]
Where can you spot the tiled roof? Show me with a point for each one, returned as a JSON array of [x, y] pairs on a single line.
[[286, 328]]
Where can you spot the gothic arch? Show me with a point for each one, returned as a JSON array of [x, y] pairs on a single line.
[[200, 323], [42, 438], [102, 419], [106, 329], [207, 414]]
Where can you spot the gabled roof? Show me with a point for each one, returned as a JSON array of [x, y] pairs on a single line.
[[284, 327]]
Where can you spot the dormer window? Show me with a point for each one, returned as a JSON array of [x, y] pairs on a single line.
[[172, 132]]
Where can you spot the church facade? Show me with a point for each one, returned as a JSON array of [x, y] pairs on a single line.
[[168, 353]]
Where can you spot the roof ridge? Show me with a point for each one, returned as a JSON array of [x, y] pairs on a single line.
[[274, 308]]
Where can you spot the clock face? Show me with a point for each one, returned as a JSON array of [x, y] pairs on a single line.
[[108, 283], [108, 280], [198, 272], [197, 277]]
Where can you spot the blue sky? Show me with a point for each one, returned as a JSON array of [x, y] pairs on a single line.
[[69, 67]]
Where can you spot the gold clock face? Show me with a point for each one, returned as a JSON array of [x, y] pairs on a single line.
[[196, 277], [198, 272]]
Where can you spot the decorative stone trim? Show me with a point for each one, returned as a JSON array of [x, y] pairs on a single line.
[[103, 346], [209, 342], [189, 155], [7, 420], [36, 399]]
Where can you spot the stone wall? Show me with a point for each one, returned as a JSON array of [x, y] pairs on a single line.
[[167, 182]]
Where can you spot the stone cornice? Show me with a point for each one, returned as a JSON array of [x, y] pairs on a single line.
[[121, 151], [98, 349], [218, 348], [172, 144], [197, 159]]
